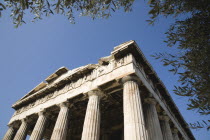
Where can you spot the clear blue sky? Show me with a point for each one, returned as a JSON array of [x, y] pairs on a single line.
[[32, 52]]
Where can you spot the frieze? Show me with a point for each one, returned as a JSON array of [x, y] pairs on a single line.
[[97, 72], [146, 76]]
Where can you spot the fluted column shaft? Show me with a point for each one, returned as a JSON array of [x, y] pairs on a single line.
[[10, 133], [39, 128], [152, 120], [61, 125], [134, 125], [166, 130], [91, 127], [22, 131], [175, 134]]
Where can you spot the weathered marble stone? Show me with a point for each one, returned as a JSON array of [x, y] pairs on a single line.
[[91, 128], [10, 133], [22, 131], [60, 129], [125, 60], [39, 128], [175, 134], [134, 125], [152, 120], [165, 126]]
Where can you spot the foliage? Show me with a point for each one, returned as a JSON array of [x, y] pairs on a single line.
[[2, 7], [191, 35], [40, 8], [198, 125]]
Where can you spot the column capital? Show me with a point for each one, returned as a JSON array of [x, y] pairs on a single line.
[[175, 130], [150, 101], [25, 120], [42, 112], [164, 118], [10, 125], [63, 104], [14, 124], [129, 78], [96, 92]]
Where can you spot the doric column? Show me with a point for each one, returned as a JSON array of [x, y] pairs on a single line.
[[165, 126], [61, 125], [22, 131], [10, 133], [39, 128], [134, 125], [91, 127], [152, 120], [175, 134]]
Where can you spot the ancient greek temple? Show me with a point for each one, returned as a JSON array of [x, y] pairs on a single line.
[[120, 98]]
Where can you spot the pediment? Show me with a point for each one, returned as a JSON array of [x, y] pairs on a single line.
[[47, 81]]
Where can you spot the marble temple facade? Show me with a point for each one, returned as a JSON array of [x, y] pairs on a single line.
[[120, 98]]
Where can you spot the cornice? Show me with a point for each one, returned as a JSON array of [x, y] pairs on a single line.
[[68, 76]]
